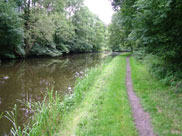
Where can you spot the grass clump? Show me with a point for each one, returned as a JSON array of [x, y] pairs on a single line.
[[46, 115], [163, 104]]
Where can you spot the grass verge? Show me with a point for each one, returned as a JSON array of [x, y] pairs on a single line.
[[163, 104], [105, 109]]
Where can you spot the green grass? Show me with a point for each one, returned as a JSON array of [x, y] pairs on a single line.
[[48, 114], [104, 110], [99, 106], [43, 122], [163, 104]]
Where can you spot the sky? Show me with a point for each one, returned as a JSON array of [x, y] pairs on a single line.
[[101, 8]]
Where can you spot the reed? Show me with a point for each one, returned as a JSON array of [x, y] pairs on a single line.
[[47, 115]]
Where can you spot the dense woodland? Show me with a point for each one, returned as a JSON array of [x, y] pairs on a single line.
[[153, 29], [48, 28]]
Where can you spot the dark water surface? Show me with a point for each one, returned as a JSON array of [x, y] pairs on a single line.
[[28, 80]]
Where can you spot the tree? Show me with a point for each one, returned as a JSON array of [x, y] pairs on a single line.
[[48, 28], [89, 31], [11, 31], [153, 26]]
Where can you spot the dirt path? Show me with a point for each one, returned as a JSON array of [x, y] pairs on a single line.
[[142, 118]]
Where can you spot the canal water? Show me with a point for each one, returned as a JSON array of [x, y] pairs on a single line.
[[28, 80]]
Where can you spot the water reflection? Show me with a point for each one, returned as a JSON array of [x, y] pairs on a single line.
[[28, 80]]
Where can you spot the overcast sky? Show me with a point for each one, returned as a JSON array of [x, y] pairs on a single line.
[[102, 8]]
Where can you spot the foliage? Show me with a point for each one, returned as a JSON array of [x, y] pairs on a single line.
[[121, 26], [48, 28], [11, 31], [37, 34], [45, 117], [155, 28], [48, 115], [162, 103], [116, 34], [89, 31], [64, 33]]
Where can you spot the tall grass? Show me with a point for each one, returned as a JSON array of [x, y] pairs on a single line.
[[47, 115], [44, 120]]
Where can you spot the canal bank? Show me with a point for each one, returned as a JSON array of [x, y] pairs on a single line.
[[105, 108], [28, 81], [99, 105]]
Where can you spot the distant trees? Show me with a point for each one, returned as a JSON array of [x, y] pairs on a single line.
[[122, 24], [117, 36], [48, 28], [89, 31], [152, 26]]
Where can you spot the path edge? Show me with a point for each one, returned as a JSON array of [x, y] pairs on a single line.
[[141, 118]]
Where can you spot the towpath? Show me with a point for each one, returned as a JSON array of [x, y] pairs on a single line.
[[142, 118]]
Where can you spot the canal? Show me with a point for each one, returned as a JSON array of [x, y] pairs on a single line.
[[23, 81]]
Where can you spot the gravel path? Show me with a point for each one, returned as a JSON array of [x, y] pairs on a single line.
[[142, 118]]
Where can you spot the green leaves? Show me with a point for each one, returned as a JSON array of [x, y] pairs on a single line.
[[153, 26], [48, 28], [89, 32], [11, 31]]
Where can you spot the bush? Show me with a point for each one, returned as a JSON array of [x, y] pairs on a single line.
[[159, 69]]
